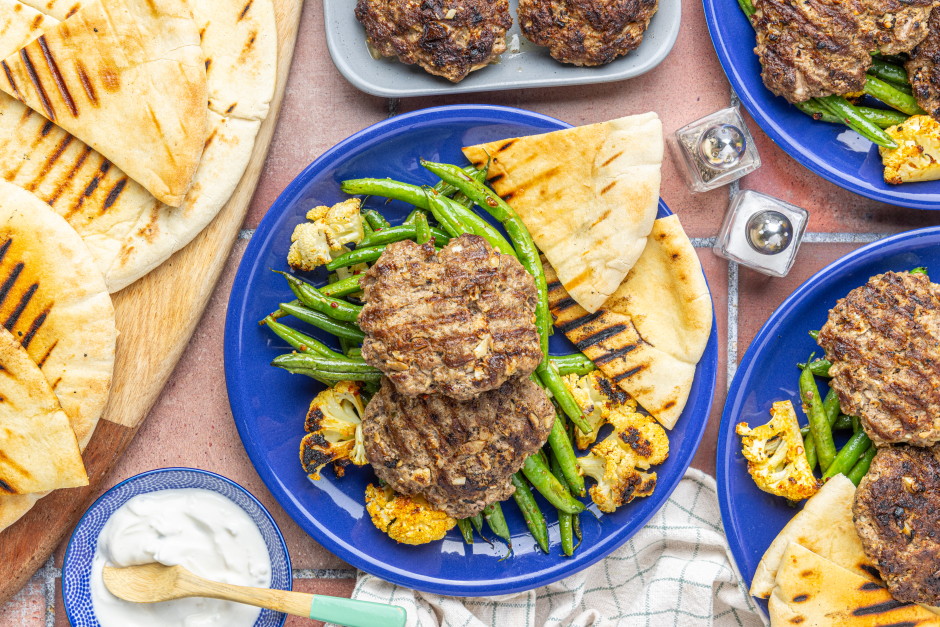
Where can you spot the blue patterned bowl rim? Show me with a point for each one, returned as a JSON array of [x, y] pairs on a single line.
[[76, 568]]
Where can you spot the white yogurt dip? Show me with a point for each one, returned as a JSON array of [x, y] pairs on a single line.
[[202, 531]]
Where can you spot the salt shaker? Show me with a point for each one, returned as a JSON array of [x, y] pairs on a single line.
[[714, 150], [761, 232]]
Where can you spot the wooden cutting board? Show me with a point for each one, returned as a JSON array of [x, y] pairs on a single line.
[[155, 318]]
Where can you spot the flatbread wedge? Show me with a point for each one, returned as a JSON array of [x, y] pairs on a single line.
[[38, 449], [814, 592], [588, 195], [650, 336], [128, 78], [55, 302]]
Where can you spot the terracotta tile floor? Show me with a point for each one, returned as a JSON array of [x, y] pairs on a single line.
[[192, 420]]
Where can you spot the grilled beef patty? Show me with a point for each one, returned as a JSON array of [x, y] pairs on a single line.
[[586, 32], [448, 38], [459, 455], [897, 517], [459, 322], [883, 340], [922, 68], [896, 25]]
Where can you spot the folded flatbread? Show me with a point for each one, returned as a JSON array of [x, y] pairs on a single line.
[[588, 195], [38, 449], [651, 334], [128, 78], [825, 527], [127, 230], [55, 302], [813, 592]]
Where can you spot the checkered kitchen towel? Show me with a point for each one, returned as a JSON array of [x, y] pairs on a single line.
[[676, 571]]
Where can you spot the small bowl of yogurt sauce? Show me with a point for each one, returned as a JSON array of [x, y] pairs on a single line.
[[210, 525]]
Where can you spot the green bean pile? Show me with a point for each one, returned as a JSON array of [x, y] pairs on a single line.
[[553, 471], [886, 81]]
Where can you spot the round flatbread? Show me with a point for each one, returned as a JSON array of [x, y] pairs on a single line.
[[56, 304]]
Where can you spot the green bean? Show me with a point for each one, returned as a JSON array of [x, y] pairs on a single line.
[[303, 363], [312, 298], [440, 209], [387, 188], [552, 380], [895, 99], [848, 456], [366, 227], [847, 112], [576, 526], [360, 255], [330, 325], [814, 334], [842, 423], [564, 454], [389, 235], [479, 226], [890, 73], [747, 7], [343, 287], [831, 407], [477, 521], [881, 117], [493, 514], [422, 229], [340, 363], [920, 270], [530, 511], [818, 421], [412, 216], [576, 363], [856, 424], [896, 59], [565, 524], [303, 343], [809, 448], [466, 529], [820, 367], [860, 469], [376, 220], [446, 189], [548, 486]]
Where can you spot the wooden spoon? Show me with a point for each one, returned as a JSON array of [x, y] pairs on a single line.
[[152, 583]]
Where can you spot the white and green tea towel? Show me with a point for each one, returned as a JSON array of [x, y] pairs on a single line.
[[677, 571]]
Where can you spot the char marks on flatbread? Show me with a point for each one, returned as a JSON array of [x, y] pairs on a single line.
[[588, 195], [128, 78], [615, 337], [812, 591], [38, 450]]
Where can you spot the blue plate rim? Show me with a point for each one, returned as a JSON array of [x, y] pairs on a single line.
[[287, 500], [811, 161], [729, 412], [147, 473]]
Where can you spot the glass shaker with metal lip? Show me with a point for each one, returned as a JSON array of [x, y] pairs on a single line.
[[714, 150], [761, 232]]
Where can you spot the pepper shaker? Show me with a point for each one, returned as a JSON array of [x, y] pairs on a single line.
[[714, 150]]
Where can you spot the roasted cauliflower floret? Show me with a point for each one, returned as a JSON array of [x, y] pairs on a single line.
[[645, 437], [406, 519], [334, 429], [917, 157], [309, 248], [342, 224], [316, 242], [775, 455], [596, 395], [614, 467]]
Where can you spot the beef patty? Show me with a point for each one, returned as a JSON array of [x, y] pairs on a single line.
[[896, 25], [586, 32], [459, 455], [922, 68], [897, 517], [448, 38], [883, 340], [458, 322]]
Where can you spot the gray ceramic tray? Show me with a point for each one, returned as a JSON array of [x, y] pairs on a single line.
[[530, 67]]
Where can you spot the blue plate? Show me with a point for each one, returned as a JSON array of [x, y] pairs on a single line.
[[269, 404], [832, 151], [768, 373], [76, 568]]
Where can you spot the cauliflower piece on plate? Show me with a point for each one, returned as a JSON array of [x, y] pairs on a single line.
[[917, 157], [406, 519]]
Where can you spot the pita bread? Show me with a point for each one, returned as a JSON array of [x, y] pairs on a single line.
[[128, 78], [127, 230], [657, 371], [814, 592], [56, 303], [588, 195], [38, 450], [825, 527]]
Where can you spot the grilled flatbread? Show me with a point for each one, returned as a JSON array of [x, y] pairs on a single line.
[[825, 527], [588, 195], [814, 592], [649, 337], [128, 78], [55, 302], [127, 230], [38, 450]]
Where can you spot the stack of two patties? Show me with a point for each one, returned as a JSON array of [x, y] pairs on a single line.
[[454, 332]]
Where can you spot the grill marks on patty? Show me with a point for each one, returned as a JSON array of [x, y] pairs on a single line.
[[459, 322], [923, 70], [884, 342]]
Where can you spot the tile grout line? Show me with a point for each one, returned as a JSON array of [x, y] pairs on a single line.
[[324, 573], [48, 574]]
